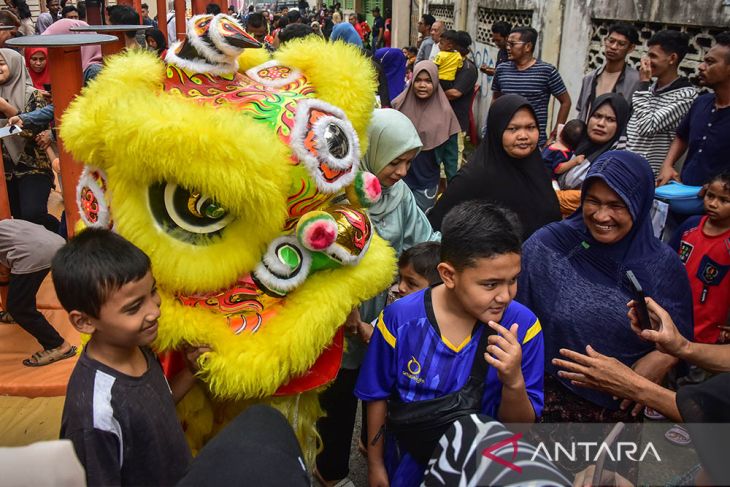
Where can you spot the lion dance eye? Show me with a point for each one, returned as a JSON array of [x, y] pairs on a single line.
[[186, 214], [336, 140]]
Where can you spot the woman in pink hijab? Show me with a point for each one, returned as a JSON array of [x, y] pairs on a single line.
[[91, 60]]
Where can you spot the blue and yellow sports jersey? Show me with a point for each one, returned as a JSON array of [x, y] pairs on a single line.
[[407, 358]]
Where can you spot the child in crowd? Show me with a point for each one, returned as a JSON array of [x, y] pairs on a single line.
[[703, 243], [443, 347], [417, 268], [27, 249], [410, 53], [448, 59], [119, 411], [560, 157]]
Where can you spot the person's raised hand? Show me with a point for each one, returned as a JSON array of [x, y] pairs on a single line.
[[504, 353], [192, 353], [664, 334], [16, 120], [596, 371], [645, 69], [665, 175], [43, 139]]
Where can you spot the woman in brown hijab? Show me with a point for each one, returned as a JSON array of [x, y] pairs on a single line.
[[425, 104]]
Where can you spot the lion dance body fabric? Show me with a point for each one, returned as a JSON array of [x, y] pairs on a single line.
[[238, 174]]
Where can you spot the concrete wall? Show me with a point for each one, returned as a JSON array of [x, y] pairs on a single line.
[[566, 28]]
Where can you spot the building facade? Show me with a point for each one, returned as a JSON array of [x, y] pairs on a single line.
[[571, 31]]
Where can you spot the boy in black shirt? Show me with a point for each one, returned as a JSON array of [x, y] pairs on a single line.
[[119, 411]]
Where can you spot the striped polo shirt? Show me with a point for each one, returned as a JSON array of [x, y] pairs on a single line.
[[535, 83]]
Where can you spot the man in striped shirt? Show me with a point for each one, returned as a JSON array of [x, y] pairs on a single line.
[[659, 107], [532, 78]]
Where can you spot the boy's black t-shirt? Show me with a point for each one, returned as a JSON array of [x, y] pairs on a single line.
[[124, 429]]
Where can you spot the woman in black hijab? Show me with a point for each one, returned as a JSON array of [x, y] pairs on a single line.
[[506, 169], [605, 131]]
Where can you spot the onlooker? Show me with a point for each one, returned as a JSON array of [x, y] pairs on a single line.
[[410, 53], [393, 143], [427, 42], [462, 89], [119, 411], [702, 243], [378, 29], [393, 63], [70, 12], [36, 60], [532, 78], [438, 345], [703, 133], [146, 20], [156, 42], [605, 131], [589, 254], [362, 28], [27, 167], [658, 109], [27, 249], [8, 19], [212, 9], [293, 31], [500, 33], [426, 105], [505, 169], [294, 17], [417, 268], [437, 30], [616, 76], [258, 27], [22, 11], [125, 15], [317, 29], [45, 19]]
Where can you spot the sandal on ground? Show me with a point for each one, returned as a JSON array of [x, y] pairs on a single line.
[[653, 414], [678, 436], [46, 357], [6, 318]]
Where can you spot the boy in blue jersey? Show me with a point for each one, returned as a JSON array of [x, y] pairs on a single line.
[[427, 346]]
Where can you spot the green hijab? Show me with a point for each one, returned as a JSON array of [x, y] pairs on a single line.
[[390, 135]]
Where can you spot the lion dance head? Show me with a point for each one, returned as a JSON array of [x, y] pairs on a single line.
[[240, 178]]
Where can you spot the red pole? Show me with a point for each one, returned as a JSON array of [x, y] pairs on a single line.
[[93, 13], [162, 18], [66, 78], [4, 214], [111, 48], [199, 6], [180, 19], [137, 5]]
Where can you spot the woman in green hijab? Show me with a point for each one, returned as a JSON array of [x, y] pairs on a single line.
[[393, 143]]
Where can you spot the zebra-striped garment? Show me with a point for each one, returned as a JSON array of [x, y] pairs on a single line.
[[459, 460], [655, 118]]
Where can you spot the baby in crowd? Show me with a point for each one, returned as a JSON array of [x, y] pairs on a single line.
[[448, 60], [560, 156]]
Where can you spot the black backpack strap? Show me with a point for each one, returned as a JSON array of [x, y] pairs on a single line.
[[480, 366]]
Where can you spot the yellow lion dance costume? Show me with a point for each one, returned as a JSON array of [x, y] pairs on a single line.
[[241, 181]]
